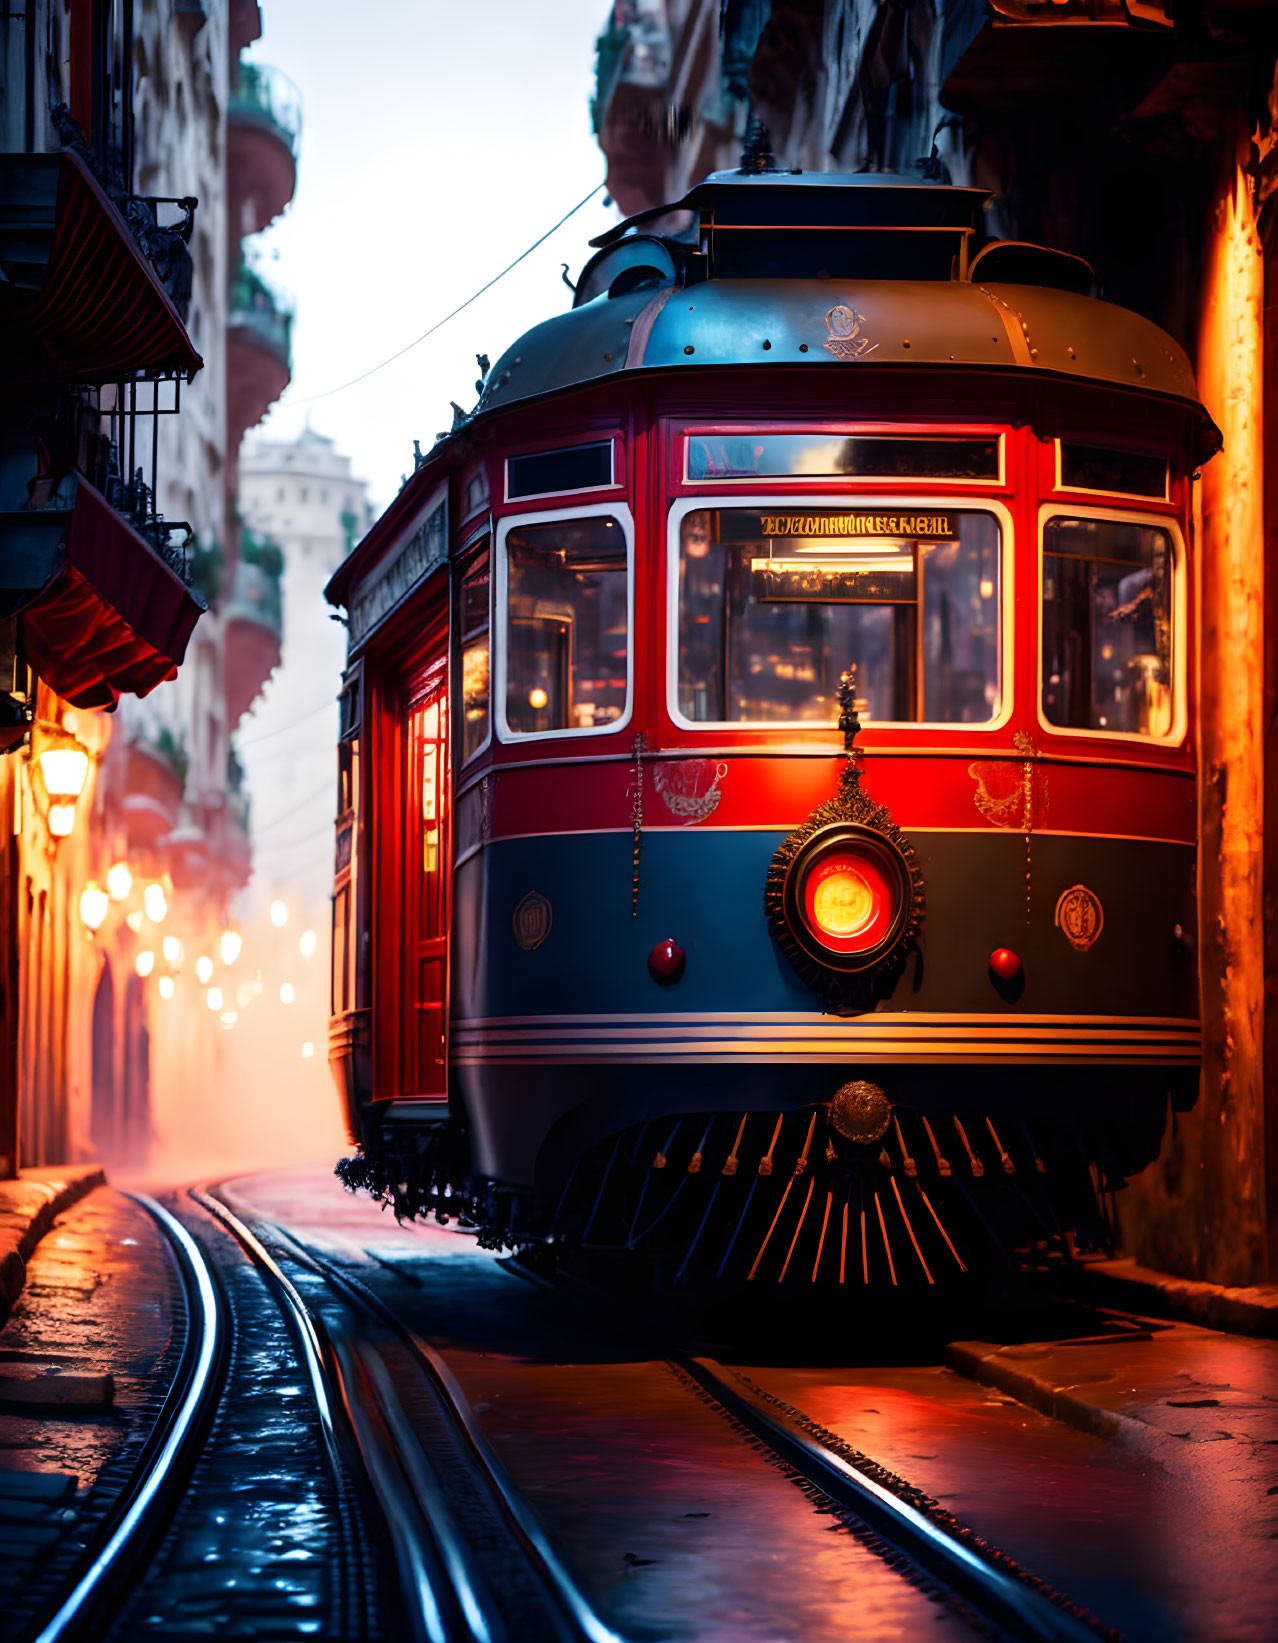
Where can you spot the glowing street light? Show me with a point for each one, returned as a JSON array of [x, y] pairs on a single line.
[[307, 945], [119, 881], [229, 1018], [279, 914], [308, 1050], [94, 906], [61, 820], [203, 968], [172, 950], [144, 963], [65, 771], [286, 992], [214, 998], [230, 946], [167, 986], [155, 903]]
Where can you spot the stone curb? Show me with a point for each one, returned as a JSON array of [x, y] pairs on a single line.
[[1158, 1294], [29, 1205], [982, 1361]]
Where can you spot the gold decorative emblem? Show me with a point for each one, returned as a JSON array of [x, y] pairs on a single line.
[[1007, 797], [843, 333], [1080, 916], [532, 921], [689, 788], [860, 1111]]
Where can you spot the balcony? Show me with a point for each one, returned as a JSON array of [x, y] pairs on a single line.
[[153, 790], [263, 121], [258, 351], [254, 623]]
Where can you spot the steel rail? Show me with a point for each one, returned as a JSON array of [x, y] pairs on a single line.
[[168, 1456], [1015, 1605], [579, 1620], [445, 1596]]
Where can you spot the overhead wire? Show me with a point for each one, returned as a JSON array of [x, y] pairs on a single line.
[[309, 399], [252, 741]]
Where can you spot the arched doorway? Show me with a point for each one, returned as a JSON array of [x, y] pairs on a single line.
[[102, 1115], [135, 1124]]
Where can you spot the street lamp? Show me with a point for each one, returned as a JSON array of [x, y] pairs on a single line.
[[119, 881], [144, 963], [155, 902], [279, 914], [64, 768], [230, 946], [94, 906]]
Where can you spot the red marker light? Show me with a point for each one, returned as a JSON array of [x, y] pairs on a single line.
[[666, 960], [1005, 963]]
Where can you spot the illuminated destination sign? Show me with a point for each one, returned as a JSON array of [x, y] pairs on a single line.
[[834, 581], [925, 527]]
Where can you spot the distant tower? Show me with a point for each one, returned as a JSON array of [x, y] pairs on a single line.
[[301, 495]]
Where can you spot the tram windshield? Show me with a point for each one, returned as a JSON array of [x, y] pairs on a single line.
[[567, 625], [1107, 626], [774, 606]]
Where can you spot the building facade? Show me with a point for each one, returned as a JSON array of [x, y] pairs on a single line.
[[122, 207], [1142, 138]]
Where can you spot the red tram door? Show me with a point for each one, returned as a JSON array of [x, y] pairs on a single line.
[[427, 856]]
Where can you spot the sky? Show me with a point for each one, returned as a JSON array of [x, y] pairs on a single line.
[[440, 138]]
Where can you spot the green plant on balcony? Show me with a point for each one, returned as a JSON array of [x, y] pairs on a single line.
[[260, 550], [254, 304], [610, 50], [173, 752], [265, 95], [206, 567]]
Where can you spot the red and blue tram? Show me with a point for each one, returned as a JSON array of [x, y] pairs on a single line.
[[768, 802]]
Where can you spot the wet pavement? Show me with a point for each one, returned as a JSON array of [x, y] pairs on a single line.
[[622, 1462], [101, 1299], [676, 1524]]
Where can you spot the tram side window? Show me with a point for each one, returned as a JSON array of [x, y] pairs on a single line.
[[567, 625], [773, 607], [1107, 626], [474, 654]]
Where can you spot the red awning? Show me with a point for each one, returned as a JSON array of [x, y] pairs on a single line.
[[102, 312], [115, 618]]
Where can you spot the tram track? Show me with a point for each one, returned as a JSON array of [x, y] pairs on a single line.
[[137, 1517], [909, 1530], [932, 1540], [473, 1560]]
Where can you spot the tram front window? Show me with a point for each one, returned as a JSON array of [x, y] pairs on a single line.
[[1107, 626], [567, 626], [773, 606]]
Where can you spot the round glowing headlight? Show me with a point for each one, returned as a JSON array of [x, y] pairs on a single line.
[[848, 896]]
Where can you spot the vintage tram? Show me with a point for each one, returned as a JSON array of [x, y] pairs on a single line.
[[767, 783]]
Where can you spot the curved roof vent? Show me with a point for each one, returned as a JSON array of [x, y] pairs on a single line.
[[1016, 262], [639, 259]]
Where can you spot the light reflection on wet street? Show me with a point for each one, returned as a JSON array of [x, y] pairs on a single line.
[[674, 1521]]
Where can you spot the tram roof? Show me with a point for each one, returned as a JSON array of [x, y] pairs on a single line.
[[833, 325]]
